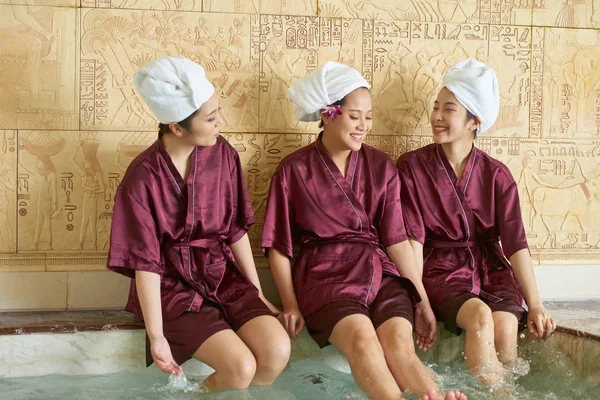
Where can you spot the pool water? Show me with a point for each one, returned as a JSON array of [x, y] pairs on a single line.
[[544, 373]]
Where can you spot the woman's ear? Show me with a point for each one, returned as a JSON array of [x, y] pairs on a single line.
[[324, 117], [176, 129], [474, 123]]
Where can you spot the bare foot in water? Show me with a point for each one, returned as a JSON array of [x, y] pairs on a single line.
[[434, 395]]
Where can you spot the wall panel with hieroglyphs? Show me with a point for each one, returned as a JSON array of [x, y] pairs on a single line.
[[71, 121]]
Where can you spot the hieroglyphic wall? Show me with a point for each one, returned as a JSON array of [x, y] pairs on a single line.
[[71, 121]]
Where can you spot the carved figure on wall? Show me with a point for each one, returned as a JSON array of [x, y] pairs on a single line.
[[282, 75], [92, 185], [23, 35], [7, 185], [44, 146], [576, 199], [529, 180]]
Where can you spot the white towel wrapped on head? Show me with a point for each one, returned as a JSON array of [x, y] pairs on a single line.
[[323, 87], [173, 87], [475, 86]]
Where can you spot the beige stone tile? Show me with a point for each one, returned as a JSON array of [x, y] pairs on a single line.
[[289, 47], [571, 95], [555, 185], [55, 3], [567, 14], [66, 183], [260, 154], [97, 290], [504, 12], [116, 43], [170, 5], [8, 191], [23, 291], [288, 7], [39, 81], [347, 41], [457, 11], [231, 6], [22, 262]]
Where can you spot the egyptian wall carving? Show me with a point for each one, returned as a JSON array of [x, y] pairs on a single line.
[[71, 121]]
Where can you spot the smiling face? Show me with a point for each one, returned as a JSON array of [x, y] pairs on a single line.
[[450, 121], [349, 130]]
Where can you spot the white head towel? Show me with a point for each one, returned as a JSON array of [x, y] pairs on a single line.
[[323, 87], [173, 88], [475, 86]]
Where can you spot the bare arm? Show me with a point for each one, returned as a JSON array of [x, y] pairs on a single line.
[[242, 251], [148, 289], [403, 256], [282, 274], [539, 322], [521, 263], [408, 258], [291, 317], [418, 250], [243, 255]]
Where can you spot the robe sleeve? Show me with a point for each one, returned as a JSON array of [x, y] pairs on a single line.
[[134, 242], [413, 220], [243, 216], [509, 220], [391, 226], [279, 229]]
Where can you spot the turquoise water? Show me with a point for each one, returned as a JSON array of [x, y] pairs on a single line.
[[548, 375]]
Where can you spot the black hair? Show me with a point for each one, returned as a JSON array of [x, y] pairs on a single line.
[[184, 123]]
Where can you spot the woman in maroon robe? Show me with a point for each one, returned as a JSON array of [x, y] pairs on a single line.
[[339, 199], [461, 211], [179, 230]]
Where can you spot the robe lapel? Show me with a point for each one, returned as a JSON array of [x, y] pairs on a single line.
[[345, 184], [460, 187]]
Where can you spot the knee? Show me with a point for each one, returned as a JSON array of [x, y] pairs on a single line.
[[505, 336], [362, 344], [398, 340], [274, 359], [480, 318], [240, 372]]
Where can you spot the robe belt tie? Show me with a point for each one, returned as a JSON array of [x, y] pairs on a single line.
[[492, 244]]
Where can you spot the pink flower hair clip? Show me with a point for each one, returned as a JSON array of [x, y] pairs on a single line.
[[331, 111]]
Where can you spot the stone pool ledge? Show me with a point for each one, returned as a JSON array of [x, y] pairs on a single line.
[[103, 342]]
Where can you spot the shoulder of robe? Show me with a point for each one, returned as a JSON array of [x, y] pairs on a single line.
[[496, 168], [229, 152], [378, 157], [411, 156], [298, 157], [143, 167], [226, 146]]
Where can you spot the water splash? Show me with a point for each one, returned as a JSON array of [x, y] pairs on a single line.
[[182, 384]]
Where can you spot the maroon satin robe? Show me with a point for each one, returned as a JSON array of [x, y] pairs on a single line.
[[343, 224], [460, 223], [181, 230]]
